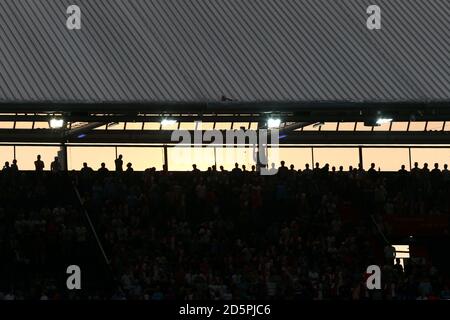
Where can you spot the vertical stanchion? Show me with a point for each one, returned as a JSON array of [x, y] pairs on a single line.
[[166, 161]]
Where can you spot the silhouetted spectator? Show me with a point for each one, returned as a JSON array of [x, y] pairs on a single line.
[[372, 172], [119, 163], [398, 267], [446, 174], [403, 170], [129, 167], [236, 169], [436, 172], [55, 166], [6, 167], [195, 169], [415, 170], [14, 166], [272, 171], [85, 169], [103, 169], [307, 170], [316, 169], [282, 170], [39, 164], [361, 171]]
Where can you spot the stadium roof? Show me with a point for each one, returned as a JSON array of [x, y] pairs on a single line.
[[197, 51]]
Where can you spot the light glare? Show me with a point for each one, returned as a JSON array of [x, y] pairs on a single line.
[[273, 123], [56, 123], [168, 122], [381, 121]]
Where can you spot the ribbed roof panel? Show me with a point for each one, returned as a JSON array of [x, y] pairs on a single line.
[[247, 50]]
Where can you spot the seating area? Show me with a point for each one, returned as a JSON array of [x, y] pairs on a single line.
[[216, 235]]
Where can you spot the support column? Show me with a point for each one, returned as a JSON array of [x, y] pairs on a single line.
[[62, 156], [410, 158], [166, 158], [361, 156]]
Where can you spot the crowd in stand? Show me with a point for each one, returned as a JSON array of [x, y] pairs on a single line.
[[300, 234]]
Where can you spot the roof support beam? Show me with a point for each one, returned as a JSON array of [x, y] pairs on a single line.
[[83, 129], [232, 107], [164, 136]]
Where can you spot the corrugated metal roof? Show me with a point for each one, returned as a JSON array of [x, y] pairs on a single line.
[[247, 50]]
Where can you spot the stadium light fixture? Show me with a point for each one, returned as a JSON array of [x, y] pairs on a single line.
[[273, 123], [381, 121], [168, 122], [56, 123]]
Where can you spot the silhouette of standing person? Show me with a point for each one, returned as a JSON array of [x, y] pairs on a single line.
[[14, 166], [55, 166], [6, 167], [119, 163], [39, 164]]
